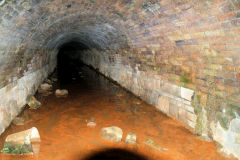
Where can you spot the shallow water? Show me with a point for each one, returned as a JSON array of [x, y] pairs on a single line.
[[62, 124]]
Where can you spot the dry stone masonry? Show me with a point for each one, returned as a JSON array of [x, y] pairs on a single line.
[[181, 56]]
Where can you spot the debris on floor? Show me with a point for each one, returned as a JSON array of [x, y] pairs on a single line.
[[138, 102], [20, 143], [112, 133], [131, 138], [151, 143], [45, 89], [91, 123], [18, 121], [33, 102], [49, 81], [61, 93], [54, 79], [119, 95]]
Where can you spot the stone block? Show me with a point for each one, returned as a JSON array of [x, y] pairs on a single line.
[[173, 110], [163, 104], [187, 93], [235, 125], [182, 115], [112, 133], [189, 108], [237, 138], [191, 124], [191, 116]]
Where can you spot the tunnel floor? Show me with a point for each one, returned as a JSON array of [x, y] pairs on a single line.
[[62, 124]]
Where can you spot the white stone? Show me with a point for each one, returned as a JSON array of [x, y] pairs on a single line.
[[91, 124], [131, 138], [187, 93], [235, 125], [227, 138], [61, 93], [23, 137], [46, 86], [112, 133]]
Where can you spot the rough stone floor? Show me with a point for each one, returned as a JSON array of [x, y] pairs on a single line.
[[62, 123]]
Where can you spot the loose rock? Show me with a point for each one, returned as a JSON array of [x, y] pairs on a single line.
[[61, 93], [131, 138], [112, 133], [119, 95], [54, 79], [33, 102], [138, 102], [46, 86], [48, 81], [20, 143], [45, 89], [151, 143], [91, 123]]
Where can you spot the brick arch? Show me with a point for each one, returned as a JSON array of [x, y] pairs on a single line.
[[181, 56]]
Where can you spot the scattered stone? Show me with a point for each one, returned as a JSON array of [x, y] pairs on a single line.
[[112, 133], [48, 81], [33, 102], [18, 121], [45, 89], [54, 79], [61, 93], [20, 143], [119, 95], [91, 123], [131, 138], [151, 143], [138, 102]]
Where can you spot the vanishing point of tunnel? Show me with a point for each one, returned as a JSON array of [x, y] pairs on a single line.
[[120, 79]]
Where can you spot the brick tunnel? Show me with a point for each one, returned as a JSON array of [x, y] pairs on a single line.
[[180, 56]]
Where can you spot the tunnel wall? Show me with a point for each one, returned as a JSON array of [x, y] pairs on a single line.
[[171, 99], [14, 94], [168, 51], [177, 101]]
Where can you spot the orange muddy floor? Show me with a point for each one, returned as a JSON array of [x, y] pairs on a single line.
[[62, 123]]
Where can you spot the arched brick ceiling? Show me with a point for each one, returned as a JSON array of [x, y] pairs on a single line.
[[193, 44], [160, 30]]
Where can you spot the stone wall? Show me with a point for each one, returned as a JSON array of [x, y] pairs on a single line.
[[14, 95], [178, 102], [170, 50], [173, 100]]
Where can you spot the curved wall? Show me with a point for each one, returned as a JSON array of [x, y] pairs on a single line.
[[182, 56]]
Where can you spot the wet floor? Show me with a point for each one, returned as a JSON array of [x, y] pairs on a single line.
[[62, 124]]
